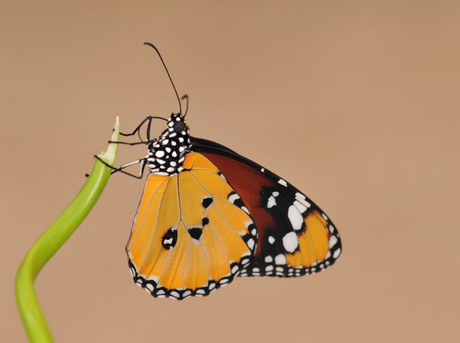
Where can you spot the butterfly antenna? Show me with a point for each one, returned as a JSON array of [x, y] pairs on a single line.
[[186, 104], [167, 72]]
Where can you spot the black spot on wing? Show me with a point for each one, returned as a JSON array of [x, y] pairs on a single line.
[[195, 232], [170, 238], [207, 201], [204, 221]]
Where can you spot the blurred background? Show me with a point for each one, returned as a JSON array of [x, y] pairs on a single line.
[[354, 102]]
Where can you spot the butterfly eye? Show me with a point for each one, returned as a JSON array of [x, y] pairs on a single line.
[[179, 126]]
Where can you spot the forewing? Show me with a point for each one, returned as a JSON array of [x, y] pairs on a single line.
[[295, 237]]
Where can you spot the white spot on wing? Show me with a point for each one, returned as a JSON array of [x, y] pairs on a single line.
[[282, 182], [232, 198], [301, 207], [280, 259], [290, 242], [251, 243], [301, 198], [295, 218], [336, 254], [332, 241], [271, 202], [272, 199]]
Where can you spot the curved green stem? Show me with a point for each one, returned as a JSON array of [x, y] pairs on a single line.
[[52, 239]]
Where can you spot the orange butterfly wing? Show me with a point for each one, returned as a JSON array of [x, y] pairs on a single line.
[[191, 234]]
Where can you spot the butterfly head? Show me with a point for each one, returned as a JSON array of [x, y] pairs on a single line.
[[167, 154]]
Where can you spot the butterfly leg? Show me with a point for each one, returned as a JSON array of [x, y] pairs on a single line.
[[137, 130], [133, 143], [121, 169]]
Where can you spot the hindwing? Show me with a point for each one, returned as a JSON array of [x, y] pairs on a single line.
[[192, 234]]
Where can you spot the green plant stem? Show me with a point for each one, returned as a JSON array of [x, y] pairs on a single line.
[[52, 239]]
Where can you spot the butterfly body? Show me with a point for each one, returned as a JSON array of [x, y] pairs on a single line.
[[208, 214]]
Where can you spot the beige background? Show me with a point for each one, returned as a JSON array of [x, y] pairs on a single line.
[[356, 103]]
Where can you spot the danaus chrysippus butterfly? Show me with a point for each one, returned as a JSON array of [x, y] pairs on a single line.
[[208, 214]]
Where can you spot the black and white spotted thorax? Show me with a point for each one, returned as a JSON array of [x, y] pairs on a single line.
[[167, 154]]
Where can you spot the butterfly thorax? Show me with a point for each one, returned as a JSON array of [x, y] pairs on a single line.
[[167, 154]]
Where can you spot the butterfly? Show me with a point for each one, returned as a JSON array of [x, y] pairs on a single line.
[[208, 215]]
